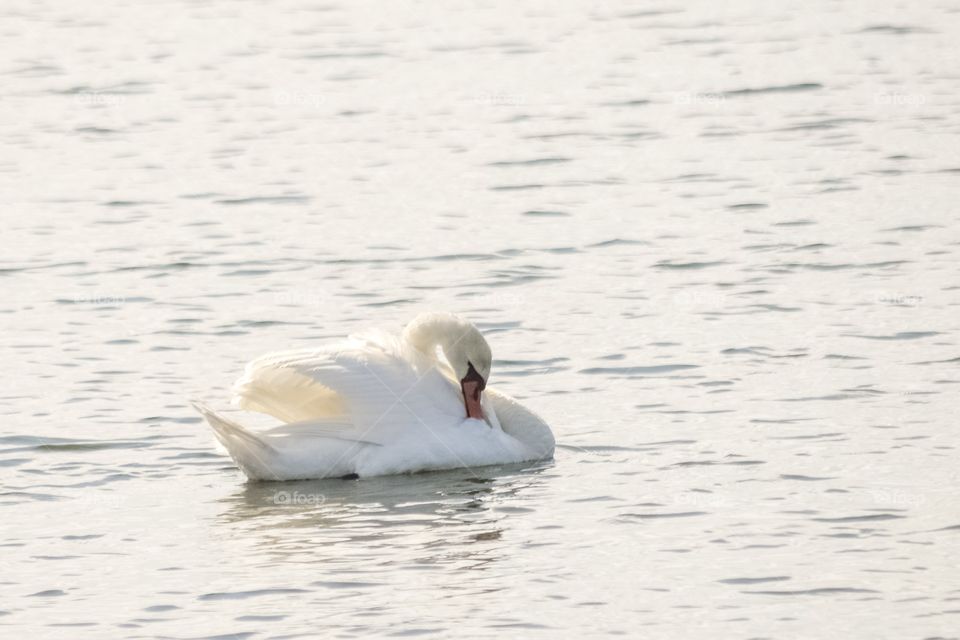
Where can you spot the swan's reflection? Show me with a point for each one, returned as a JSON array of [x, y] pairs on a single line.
[[428, 511]]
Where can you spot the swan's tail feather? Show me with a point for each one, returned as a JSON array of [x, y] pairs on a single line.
[[251, 453]]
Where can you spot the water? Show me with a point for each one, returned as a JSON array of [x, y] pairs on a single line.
[[714, 245]]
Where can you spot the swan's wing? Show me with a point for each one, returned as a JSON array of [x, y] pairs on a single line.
[[369, 388], [276, 385], [389, 391]]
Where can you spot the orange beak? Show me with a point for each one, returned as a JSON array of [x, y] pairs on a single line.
[[472, 386]]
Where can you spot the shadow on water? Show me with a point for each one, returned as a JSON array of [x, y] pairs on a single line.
[[427, 493], [432, 510]]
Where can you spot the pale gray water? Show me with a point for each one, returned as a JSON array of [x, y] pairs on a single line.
[[714, 244]]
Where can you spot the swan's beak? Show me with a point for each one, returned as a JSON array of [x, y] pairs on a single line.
[[472, 386]]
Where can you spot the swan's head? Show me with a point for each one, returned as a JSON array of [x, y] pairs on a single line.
[[471, 360], [464, 348]]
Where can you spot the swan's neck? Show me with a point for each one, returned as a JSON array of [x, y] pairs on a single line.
[[428, 331]]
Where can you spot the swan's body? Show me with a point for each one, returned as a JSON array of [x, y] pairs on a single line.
[[379, 404]]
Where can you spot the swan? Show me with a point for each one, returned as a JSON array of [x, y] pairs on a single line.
[[378, 403]]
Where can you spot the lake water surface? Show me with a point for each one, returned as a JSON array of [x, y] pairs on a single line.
[[714, 244]]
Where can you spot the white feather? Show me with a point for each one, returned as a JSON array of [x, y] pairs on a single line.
[[371, 405]]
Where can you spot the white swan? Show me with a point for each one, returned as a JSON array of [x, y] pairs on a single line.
[[378, 404]]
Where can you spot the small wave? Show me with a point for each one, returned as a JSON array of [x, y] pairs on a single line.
[[754, 580], [873, 517], [265, 200], [784, 88], [827, 123], [895, 29], [529, 163], [903, 335], [245, 595], [545, 214], [687, 265], [826, 591], [655, 516], [640, 371]]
